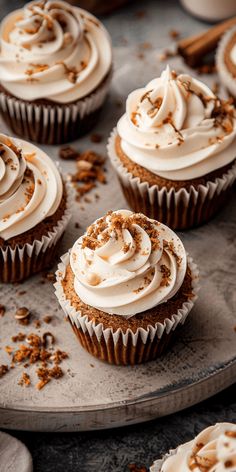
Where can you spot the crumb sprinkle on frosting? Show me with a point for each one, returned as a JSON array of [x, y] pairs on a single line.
[[127, 262]]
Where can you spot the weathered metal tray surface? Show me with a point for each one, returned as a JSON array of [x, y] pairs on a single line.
[[94, 395]]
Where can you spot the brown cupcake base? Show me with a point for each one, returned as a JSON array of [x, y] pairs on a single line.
[[47, 122], [116, 340], [180, 205]]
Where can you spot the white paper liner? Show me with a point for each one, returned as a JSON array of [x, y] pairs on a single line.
[[157, 465], [81, 321], [226, 77], [46, 116], [47, 241], [160, 195]]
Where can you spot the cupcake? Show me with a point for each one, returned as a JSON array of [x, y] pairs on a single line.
[[213, 450], [34, 209], [174, 150], [127, 287], [226, 61], [55, 70]]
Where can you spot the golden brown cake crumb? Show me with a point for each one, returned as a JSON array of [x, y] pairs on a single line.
[[38, 350], [50, 276], [3, 370], [96, 138], [174, 34], [2, 310], [24, 380], [89, 172], [135, 468], [68, 153], [22, 313]]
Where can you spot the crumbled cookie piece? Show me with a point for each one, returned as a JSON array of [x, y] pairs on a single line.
[[135, 468], [89, 171], [24, 380], [96, 138], [2, 310], [68, 153], [3, 370], [22, 313], [174, 34]]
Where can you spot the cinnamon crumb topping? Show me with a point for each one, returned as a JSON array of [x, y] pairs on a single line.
[[230, 434], [166, 273], [100, 231]]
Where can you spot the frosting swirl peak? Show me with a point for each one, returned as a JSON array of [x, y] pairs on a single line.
[[30, 187], [52, 50], [177, 128], [127, 263]]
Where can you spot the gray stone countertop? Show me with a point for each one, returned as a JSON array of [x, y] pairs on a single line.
[[113, 450]]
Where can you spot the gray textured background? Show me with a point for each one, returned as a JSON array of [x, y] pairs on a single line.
[[110, 451]]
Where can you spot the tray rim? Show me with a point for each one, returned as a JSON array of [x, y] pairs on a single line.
[[147, 398]]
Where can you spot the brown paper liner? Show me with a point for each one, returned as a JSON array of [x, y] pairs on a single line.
[[20, 269], [120, 354], [181, 209], [179, 217], [51, 123]]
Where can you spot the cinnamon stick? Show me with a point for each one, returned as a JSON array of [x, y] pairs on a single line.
[[195, 47]]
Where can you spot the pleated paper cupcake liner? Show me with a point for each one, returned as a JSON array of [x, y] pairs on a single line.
[[119, 347], [51, 123], [226, 77], [179, 209], [25, 260], [157, 465]]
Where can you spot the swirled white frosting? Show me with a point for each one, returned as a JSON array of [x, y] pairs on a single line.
[[174, 127], [52, 50], [126, 264], [213, 450], [30, 186]]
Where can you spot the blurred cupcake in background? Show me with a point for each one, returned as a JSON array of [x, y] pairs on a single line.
[[174, 150], [35, 208], [55, 70], [127, 287]]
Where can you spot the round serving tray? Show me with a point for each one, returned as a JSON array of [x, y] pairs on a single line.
[[92, 394]]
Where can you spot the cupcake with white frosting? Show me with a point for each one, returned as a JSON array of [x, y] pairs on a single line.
[[34, 209], [213, 450], [127, 287], [226, 61], [55, 69], [174, 150]]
